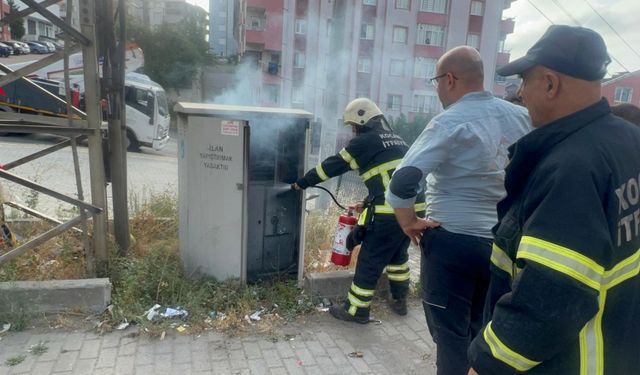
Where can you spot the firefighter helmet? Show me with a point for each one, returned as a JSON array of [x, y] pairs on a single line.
[[360, 111]]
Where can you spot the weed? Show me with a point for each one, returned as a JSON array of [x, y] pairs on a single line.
[[14, 361], [19, 319], [39, 348]]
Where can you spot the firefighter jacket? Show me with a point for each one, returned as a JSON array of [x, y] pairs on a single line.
[[375, 154], [565, 291]]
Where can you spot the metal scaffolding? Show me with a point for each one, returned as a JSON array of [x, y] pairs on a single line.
[[76, 126]]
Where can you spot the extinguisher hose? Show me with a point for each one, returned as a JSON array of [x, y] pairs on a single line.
[[331, 195]]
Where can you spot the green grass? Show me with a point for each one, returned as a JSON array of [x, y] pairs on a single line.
[[39, 348]]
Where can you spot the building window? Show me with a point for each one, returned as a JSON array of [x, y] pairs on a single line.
[[396, 68], [473, 40], [369, 2], [272, 93], [423, 103], [400, 34], [256, 23], [297, 95], [394, 102], [424, 67], [366, 31], [364, 65], [298, 59], [402, 4], [623, 94], [31, 27], [431, 35], [476, 8], [301, 26], [433, 6]]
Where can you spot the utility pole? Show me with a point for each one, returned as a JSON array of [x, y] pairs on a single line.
[[114, 49], [94, 120]]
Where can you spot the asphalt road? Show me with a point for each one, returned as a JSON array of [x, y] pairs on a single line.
[[149, 172]]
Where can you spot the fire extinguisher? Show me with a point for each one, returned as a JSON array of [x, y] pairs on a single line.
[[341, 256]]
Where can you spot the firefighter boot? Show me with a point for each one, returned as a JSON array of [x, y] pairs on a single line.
[[339, 312], [398, 305]]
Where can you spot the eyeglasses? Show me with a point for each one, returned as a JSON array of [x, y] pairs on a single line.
[[434, 80]]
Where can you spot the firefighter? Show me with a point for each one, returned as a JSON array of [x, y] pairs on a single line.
[[565, 292], [374, 152]]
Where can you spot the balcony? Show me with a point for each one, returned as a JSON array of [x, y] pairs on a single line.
[[507, 25], [255, 36]]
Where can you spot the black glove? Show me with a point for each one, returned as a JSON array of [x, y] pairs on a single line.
[[356, 237]]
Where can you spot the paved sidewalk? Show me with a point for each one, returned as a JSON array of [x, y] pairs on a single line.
[[318, 345]]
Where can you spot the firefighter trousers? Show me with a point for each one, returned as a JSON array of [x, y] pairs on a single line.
[[384, 246], [454, 274]]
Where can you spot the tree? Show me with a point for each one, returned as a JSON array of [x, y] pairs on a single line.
[[16, 26], [173, 53], [410, 130]]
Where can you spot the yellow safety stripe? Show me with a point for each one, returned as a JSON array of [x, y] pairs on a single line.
[[399, 276], [362, 217], [592, 343], [355, 301], [503, 353], [381, 169], [352, 310], [346, 156], [386, 209], [501, 260], [398, 267], [361, 291], [321, 173], [562, 259], [622, 271]]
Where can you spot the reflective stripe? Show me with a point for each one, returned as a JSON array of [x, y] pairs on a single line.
[[386, 209], [592, 343], [505, 354], [399, 276], [362, 292], [346, 156], [501, 260], [385, 167], [362, 217], [398, 267], [355, 301], [352, 310], [563, 260], [622, 271], [320, 171]]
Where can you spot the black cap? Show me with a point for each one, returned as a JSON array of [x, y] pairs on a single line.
[[575, 51]]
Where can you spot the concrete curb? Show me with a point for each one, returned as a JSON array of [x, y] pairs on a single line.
[[335, 284], [54, 296]]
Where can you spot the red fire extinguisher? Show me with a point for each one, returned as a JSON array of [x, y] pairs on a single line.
[[341, 256]]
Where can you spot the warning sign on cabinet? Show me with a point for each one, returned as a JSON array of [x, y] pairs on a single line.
[[230, 128]]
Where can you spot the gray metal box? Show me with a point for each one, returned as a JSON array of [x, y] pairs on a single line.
[[238, 218]]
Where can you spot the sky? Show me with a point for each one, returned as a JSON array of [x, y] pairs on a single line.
[[622, 15]]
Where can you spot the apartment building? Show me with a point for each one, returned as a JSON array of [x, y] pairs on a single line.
[[622, 88], [226, 27], [320, 54], [157, 12]]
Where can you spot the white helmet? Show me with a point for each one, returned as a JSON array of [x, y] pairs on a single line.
[[360, 111]]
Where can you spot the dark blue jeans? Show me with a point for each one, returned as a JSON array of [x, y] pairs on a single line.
[[455, 277]]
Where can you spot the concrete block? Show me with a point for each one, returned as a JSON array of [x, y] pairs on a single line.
[[335, 284], [53, 296]]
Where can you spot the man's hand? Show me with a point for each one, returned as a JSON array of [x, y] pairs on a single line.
[[412, 225], [295, 186], [358, 207], [472, 372]]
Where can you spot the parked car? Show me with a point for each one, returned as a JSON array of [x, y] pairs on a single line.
[[48, 44], [56, 45], [17, 50], [5, 50], [37, 47], [25, 47]]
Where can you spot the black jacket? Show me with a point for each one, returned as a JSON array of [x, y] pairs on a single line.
[[565, 293], [374, 154]]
